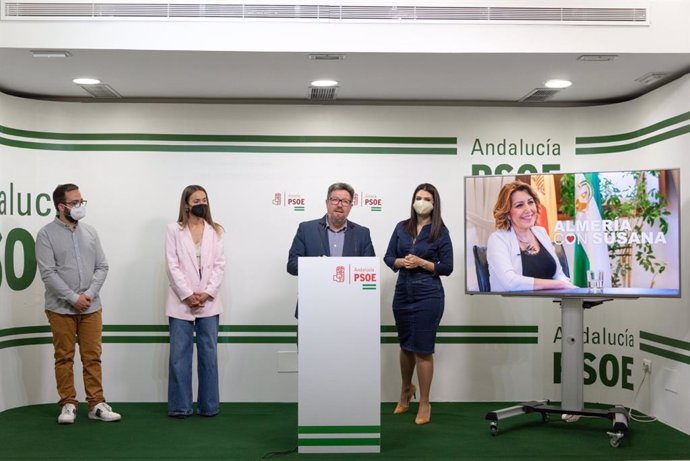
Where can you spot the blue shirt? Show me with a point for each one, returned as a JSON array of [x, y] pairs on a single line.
[[439, 252], [336, 239]]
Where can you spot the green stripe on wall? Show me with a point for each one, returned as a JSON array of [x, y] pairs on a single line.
[[226, 138], [473, 340], [157, 328], [258, 339], [665, 340], [135, 328], [158, 334], [634, 145], [229, 148], [135, 339], [24, 330], [289, 329], [665, 353], [259, 328], [475, 329], [25, 342], [338, 442], [276, 340], [634, 134], [486, 340], [338, 429]]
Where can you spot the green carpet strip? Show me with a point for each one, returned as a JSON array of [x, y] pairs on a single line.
[[250, 431]]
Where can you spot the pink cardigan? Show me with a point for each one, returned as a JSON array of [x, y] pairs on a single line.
[[183, 271]]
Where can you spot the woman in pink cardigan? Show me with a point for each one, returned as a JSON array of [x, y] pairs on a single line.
[[196, 264]]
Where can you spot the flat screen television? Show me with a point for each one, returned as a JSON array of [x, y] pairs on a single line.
[[614, 234]]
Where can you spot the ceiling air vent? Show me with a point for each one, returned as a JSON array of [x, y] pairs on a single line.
[[607, 12], [651, 77], [322, 93], [326, 57], [539, 95], [101, 90]]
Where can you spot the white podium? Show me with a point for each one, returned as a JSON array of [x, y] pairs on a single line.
[[339, 355]]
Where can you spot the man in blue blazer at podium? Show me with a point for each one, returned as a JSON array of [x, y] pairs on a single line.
[[333, 234]]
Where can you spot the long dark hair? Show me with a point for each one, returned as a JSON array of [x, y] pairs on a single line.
[[183, 217], [436, 220]]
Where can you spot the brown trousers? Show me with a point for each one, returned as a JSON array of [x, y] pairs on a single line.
[[68, 331]]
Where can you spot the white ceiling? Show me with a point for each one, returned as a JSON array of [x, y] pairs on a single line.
[[440, 78]]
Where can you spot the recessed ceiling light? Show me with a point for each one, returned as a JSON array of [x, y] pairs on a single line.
[[557, 83], [324, 83], [86, 81], [50, 53]]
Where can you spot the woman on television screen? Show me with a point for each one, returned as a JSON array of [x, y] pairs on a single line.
[[520, 254], [420, 251]]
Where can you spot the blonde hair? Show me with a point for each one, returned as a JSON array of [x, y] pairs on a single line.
[[504, 202]]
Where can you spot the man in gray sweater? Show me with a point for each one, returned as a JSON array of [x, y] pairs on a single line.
[[73, 269]]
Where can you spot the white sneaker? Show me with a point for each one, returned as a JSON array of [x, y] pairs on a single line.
[[68, 414], [103, 412], [570, 418]]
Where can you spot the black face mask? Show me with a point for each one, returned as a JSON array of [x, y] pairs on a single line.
[[199, 210]]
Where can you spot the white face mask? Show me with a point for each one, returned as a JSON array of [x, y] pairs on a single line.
[[77, 213], [422, 207]]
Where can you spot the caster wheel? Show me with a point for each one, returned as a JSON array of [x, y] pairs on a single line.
[[494, 429], [616, 438], [544, 417]]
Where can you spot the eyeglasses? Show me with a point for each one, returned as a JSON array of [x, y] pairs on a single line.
[[339, 201], [76, 203]]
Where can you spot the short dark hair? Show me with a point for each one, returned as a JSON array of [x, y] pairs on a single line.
[[60, 192], [340, 186]]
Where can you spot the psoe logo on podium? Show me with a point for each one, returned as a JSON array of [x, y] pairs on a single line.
[[365, 276], [296, 201], [339, 275]]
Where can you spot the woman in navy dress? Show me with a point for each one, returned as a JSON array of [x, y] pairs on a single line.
[[421, 251]]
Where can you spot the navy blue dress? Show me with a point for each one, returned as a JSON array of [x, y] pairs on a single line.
[[419, 298]]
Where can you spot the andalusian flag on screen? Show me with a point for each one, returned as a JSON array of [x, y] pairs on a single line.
[[548, 212], [591, 251]]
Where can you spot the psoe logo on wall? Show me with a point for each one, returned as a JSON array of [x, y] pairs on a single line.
[[364, 276], [372, 201], [296, 201]]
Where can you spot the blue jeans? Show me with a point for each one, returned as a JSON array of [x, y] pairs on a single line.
[[180, 398]]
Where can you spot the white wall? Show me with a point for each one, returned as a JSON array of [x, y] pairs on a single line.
[[133, 194]]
